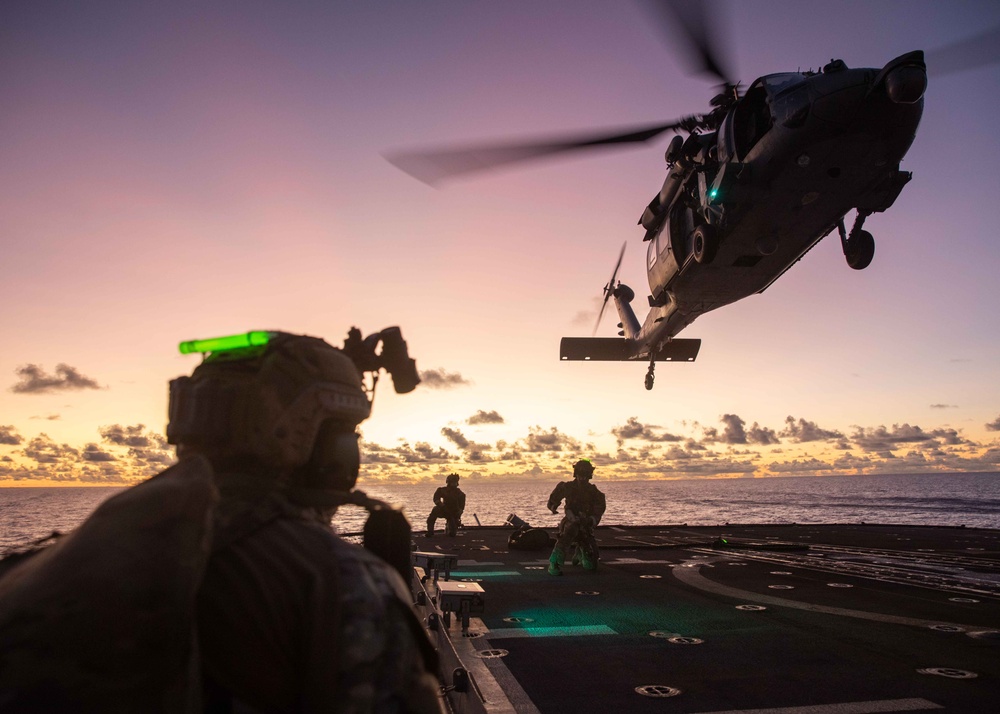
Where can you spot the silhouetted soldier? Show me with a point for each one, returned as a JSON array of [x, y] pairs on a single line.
[[449, 503], [585, 505], [219, 585]]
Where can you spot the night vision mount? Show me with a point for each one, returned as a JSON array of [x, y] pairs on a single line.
[[393, 355]]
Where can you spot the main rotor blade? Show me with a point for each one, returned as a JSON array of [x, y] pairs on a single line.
[[435, 165], [972, 52], [609, 288], [697, 23]]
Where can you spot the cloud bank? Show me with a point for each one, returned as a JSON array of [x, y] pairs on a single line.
[[34, 380]]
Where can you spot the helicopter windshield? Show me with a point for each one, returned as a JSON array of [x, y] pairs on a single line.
[[788, 95], [775, 84]]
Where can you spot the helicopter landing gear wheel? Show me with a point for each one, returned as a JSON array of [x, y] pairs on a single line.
[[704, 243], [860, 250], [649, 375], [859, 246]]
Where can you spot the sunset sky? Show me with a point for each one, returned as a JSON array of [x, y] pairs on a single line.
[[180, 170]]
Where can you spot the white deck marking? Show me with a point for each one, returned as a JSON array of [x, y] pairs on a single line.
[[691, 576], [499, 697], [872, 707]]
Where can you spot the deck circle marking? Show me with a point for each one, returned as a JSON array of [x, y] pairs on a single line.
[[839, 585], [663, 634], [657, 690], [962, 599], [685, 640], [651, 577], [780, 572], [781, 587], [587, 592], [950, 672], [947, 628], [491, 654], [518, 619], [534, 567], [751, 608], [735, 563]]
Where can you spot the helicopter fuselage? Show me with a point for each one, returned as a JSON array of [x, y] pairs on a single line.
[[784, 165]]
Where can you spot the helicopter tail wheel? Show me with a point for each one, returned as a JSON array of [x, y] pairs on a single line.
[[704, 243], [860, 250]]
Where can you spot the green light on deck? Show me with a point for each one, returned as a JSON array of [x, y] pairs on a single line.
[[256, 338], [713, 193]]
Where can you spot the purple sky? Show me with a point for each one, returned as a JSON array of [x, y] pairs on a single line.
[[169, 171]]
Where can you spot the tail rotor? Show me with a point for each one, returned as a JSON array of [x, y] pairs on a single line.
[[609, 289]]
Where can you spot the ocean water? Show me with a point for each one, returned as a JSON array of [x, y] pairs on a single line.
[[972, 500]]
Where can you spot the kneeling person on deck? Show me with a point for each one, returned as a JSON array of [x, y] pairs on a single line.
[[585, 505], [449, 504]]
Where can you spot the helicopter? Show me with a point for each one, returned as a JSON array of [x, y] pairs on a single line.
[[752, 185]]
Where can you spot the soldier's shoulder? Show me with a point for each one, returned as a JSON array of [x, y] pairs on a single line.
[[360, 569]]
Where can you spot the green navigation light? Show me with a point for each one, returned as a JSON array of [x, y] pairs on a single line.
[[256, 338], [713, 193]]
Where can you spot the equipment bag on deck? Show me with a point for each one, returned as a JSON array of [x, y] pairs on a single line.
[[530, 539]]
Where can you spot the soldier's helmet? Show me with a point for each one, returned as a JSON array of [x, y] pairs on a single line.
[[288, 407], [583, 468], [452, 479]]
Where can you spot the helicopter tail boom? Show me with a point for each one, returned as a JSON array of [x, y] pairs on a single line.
[[620, 349]]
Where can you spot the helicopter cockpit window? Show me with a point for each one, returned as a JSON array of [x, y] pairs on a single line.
[[778, 83], [788, 94], [751, 120]]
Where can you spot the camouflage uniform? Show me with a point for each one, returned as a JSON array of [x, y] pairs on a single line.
[[449, 503], [293, 619], [585, 505]]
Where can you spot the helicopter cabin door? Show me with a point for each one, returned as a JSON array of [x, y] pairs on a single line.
[[668, 250]]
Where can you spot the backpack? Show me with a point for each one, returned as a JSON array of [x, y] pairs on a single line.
[[103, 620]]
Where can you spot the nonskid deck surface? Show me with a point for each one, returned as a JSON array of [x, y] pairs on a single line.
[[791, 619]]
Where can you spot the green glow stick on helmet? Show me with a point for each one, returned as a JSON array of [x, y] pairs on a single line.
[[255, 338]]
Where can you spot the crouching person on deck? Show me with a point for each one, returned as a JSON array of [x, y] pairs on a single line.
[[585, 505], [449, 504]]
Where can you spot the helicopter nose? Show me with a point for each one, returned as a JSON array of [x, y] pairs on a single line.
[[906, 85]]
